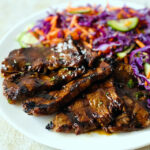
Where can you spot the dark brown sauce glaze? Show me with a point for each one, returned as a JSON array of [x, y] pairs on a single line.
[[122, 76], [24, 85], [42, 59]]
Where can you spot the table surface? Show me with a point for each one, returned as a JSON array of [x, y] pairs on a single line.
[[11, 12]]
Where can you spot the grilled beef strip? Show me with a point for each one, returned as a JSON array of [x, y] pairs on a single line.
[[74, 119], [134, 117], [57, 99], [90, 56], [22, 86], [112, 106], [96, 108], [41, 59], [135, 114]]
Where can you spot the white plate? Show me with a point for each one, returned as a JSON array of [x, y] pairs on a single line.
[[34, 127]]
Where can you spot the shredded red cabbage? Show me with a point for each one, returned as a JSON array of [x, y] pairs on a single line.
[[138, 58], [148, 103]]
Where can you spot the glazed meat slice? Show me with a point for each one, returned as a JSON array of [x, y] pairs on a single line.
[[61, 123], [122, 72], [105, 103], [134, 117], [41, 105], [75, 118], [40, 59], [97, 108], [89, 55], [135, 114], [22, 86]]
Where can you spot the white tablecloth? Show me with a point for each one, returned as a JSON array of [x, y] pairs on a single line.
[[11, 12]]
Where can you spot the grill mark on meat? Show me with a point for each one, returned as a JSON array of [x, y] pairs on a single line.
[[68, 92], [81, 122], [87, 113], [40, 59], [134, 117], [22, 86], [89, 55], [61, 123], [75, 119], [105, 103], [134, 114]]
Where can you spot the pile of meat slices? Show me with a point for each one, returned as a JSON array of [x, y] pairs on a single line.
[[85, 91]]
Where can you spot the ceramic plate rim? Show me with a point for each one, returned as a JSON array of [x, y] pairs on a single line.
[[57, 136]]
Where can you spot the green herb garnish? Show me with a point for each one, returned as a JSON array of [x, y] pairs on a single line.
[[107, 93], [138, 95], [100, 103], [131, 83], [28, 64], [70, 73], [10, 101], [65, 68], [52, 78]]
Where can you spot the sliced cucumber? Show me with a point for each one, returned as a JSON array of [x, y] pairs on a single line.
[[147, 69], [26, 39], [124, 53], [123, 25], [80, 11]]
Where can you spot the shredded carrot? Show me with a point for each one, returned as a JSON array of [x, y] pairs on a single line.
[[66, 32], [48, 18], [40, 32], [74, 34], [82, 29], [73, 21], [132, 11], [53, 34], [91, 41], [137, 30], [99, 53], [34, 34], [146, 84], [139, 43], [148, 76], [126, 59], [54, 22], [83, 36], [87, 44], [52, 41], [112, 8], [71, 9]]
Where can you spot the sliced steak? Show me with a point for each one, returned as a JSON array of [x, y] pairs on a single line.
[[74, 119], [122, 73], [61, 123], [40, 59], [96, 108], [134, 117], [89, 55], [105, 103], [22, 86], [41, 105]]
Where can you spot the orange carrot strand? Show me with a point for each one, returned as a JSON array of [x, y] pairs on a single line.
[[139, 43]]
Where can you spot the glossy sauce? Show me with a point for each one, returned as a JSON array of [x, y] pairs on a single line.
[[101, 132]]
